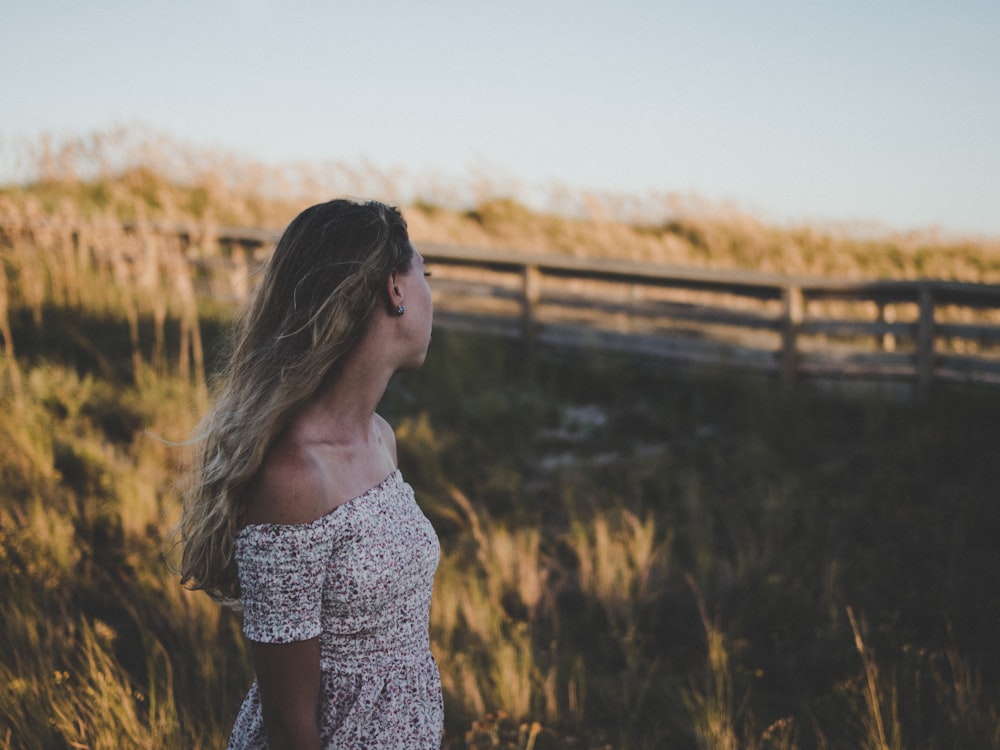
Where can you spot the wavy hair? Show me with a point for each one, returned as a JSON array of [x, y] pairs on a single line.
[[313, 303]]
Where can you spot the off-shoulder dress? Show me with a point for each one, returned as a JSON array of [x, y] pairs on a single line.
[[359, 578]]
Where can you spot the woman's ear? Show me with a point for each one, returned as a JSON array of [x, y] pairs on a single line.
[[392, 293]]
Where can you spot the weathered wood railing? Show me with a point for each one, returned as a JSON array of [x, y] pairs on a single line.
[[915, 330], [919, 330]]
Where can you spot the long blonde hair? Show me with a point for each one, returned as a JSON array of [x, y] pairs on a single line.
[[313, 303]]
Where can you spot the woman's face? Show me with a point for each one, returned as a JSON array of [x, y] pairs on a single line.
[[418, 317]]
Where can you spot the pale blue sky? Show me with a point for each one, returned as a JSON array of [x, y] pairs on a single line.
[[881, 110]]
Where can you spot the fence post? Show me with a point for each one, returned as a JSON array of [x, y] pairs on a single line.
[[532, 278], [887, 314], [925, 339], [791, 320]]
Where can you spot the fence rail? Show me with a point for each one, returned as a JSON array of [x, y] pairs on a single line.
[[919, 330], [915, 330]]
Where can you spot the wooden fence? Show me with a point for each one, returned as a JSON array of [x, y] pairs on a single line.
[[917, 330], [920, 330]]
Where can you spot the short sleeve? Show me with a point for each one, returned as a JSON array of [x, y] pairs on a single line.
[[281, 571]]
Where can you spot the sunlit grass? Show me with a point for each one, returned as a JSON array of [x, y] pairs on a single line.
[[587, 606], [677, 576], [88, 605], [135, 174]]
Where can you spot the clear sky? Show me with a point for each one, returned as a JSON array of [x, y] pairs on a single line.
[[884, 111]]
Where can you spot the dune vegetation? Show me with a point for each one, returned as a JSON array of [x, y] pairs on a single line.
[[631, 558], [133, 173]]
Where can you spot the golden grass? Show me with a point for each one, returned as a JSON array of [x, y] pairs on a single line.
[[498, 646], [85, 508], [81, 520], [132, 173], [881, 718]]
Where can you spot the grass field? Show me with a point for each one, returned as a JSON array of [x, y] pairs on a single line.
[[136, 174], [631, 559], [678, 560]]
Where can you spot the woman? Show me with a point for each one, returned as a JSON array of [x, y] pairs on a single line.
[[297, 510]]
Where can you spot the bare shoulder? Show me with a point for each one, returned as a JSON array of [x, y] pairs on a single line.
[[290, 488], [301, 480]]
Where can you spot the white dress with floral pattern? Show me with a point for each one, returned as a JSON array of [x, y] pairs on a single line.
[[359, 578]]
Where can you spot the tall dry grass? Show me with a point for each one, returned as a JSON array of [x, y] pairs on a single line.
[[100, 647], [680, 579], [102, 268], [11, 370], [881, 717], [134, 173], [579, 615]]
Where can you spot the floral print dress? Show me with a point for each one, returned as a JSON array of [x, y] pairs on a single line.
[[359, 578]]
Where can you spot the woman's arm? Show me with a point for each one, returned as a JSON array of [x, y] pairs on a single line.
[[288, 677]]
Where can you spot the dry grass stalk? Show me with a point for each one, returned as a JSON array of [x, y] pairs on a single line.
[[712, 707], [150, 288], [13, 371], [121, 268], [620, 560], [184, 287], [31, 272], [878, 738]]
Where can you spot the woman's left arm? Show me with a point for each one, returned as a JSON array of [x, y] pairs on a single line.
[[288, 677]]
